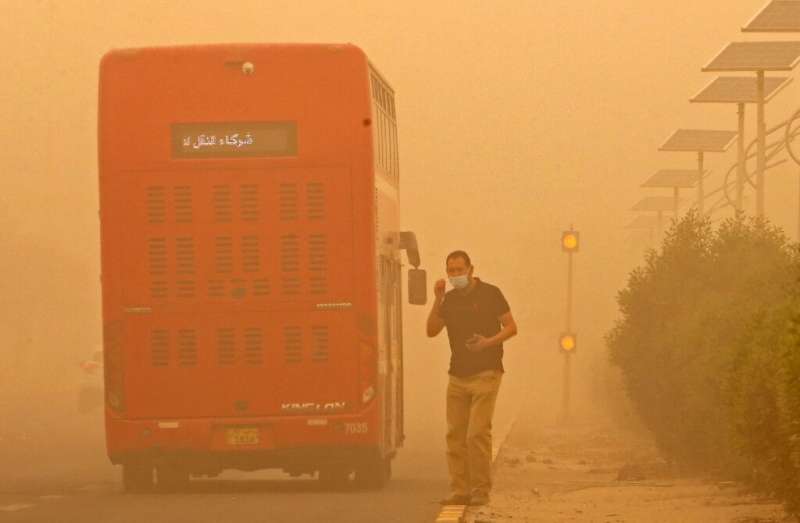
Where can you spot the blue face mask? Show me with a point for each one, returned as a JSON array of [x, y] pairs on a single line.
[[459, 282]]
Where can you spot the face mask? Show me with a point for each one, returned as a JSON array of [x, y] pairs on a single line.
[[459, 282]]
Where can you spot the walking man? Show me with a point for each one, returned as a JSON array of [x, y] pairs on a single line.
[[478, 321]]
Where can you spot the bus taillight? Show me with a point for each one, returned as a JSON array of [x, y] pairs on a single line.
[[368, 394], [368, 370]]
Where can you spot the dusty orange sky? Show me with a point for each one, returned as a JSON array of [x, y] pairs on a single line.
[[516, 119]]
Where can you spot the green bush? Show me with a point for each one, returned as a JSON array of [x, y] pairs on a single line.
[[708, 351]]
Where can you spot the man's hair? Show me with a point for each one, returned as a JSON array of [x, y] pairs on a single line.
[[459, 254]]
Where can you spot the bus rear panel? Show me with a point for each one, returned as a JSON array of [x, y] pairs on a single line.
[[246, 312]]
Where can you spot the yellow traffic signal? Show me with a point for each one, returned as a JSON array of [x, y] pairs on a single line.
[[568, 342], [570, 241]]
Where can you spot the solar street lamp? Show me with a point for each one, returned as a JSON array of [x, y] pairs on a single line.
[[673, 179], [739, 91], [779, 16], [644, 222], [758, 57], [699, 141], [659, 205]]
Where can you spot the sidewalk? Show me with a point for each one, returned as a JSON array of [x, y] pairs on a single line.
[[597, 473]]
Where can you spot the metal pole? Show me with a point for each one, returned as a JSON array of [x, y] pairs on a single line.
[[569, 294], [701, 195], [741, 166], [567, 385], [677, 198], [660, 226], [567, 355], [762, 147]]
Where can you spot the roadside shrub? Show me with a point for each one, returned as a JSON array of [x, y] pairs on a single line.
[[699, 323]]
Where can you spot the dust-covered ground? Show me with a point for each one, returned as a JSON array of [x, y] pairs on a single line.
[[596, 472]]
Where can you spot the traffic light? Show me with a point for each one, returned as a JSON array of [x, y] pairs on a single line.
[[568, 342], [570, 241]]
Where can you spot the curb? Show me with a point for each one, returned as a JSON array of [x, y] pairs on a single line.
[[458, 513]]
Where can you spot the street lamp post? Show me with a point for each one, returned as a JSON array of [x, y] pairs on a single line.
[[779, 16], [674, 179], [659, 205], [699, 141], [760, 58], [739, 91]]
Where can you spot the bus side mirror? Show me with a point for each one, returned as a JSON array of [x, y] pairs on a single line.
[[417, 287], [408, 243]]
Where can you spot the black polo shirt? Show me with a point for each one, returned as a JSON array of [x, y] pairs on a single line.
[[476, 312]]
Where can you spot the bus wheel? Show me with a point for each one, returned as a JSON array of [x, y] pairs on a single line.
[[333, 477], [171, 479], [137, 477], [374, 473]]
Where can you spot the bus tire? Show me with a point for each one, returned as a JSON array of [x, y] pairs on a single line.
[[137, 477], [171, 478], [374, 473]]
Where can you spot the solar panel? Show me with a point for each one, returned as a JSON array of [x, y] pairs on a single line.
[[655, 203], [672, 178], [643, 222], [779, 16], [699, 140], [729, 89], [756, 56]]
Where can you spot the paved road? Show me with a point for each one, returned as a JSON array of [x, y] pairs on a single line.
[[83, 487]]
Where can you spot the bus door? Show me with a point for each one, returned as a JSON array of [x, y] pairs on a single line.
[[392, 352]]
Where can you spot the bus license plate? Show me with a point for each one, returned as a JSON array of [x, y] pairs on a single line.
[[242, 436]]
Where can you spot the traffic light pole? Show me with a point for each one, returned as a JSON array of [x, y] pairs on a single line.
[[567, 381]]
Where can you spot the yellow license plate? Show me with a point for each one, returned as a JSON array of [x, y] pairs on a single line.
[[242, 436]]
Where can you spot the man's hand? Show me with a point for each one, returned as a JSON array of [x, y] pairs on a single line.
[[438, 289], [478, 343], [435, 322]]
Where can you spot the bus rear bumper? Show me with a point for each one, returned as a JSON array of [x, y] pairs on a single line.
[[207, 446]]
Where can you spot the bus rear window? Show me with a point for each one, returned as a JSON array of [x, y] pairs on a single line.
[[234, 139]]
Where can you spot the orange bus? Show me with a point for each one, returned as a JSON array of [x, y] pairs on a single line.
[[251, 268]]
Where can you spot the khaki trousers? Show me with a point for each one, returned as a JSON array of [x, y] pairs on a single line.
[[470, 407]]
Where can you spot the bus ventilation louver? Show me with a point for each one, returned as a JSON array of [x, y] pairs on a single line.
[[253, 346], [159, 348], [226, 347], [187, 348], [248, 208], [293, 344], [182, 197], [251, 257], [320, 349], [156, 204], [223, 254], [315, 201], [288, 201], [318, 263], [223, 204]]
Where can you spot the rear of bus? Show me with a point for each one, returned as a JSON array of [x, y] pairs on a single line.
[[238, 260]]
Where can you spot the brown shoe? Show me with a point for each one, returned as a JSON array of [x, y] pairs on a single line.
[[455, 499]]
